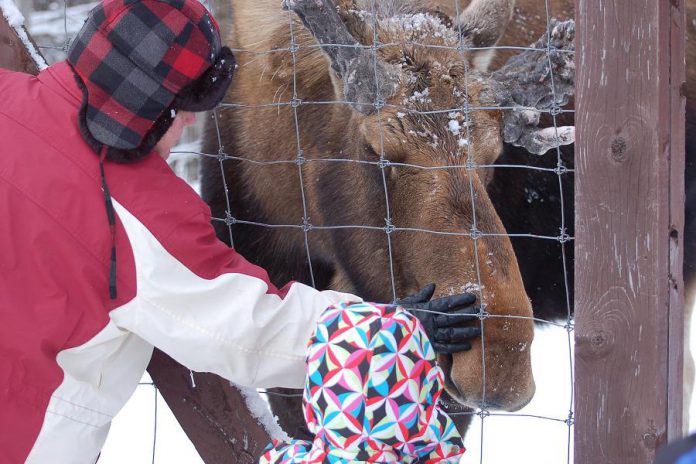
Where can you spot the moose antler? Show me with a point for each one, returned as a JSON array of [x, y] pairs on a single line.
[[365, 81], [484, 21], [530, 84]]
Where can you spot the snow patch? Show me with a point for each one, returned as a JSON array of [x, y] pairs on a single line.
[[420, 27], [11, 13], [420, 97], [469, 287], [16, 21], [259, 409], [57, 21], [430, 138], [531, 194], [453, 126]]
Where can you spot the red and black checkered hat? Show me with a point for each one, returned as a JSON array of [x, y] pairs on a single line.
[[138, 61]]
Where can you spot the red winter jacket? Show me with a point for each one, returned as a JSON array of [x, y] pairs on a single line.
[[69, 356]]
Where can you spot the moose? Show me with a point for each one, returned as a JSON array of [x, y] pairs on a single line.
[[373, 178]]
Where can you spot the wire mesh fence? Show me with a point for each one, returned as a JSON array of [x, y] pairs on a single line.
[[382, 164], [56, 23]]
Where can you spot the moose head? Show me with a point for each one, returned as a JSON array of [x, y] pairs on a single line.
[[390, 94], [421, 108]]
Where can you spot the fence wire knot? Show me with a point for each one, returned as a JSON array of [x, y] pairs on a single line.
[[379, 103], [389, 227], [470, 164], [229, 219], [569, 325], [563, 237], [555, 109], [384, 163], [560, 169], [221, 155], [483, 413], [294, 47], [306, 225], [474, 233], [295, 102], [300, 160], [571, 419]]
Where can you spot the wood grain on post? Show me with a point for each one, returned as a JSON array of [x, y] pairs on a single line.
[[214, 414], [13, 53], [629, 225], [676, 426]]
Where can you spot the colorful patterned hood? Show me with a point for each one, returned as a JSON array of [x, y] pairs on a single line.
[[371, 393]]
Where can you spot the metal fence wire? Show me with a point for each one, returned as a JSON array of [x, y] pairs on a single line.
[[55, 45]]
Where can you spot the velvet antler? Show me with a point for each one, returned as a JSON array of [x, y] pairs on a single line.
[[536, 81], [366, 80]]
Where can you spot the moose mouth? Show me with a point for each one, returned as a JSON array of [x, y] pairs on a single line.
[[454, 400], [455, 397]]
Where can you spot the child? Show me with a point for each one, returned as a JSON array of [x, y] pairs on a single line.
[[371, 393]]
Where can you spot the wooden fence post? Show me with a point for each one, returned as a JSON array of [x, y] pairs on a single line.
[[13, 52], [629, 183], [214, 414]]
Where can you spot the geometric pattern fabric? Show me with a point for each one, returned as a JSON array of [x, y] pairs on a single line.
[[371, 393]]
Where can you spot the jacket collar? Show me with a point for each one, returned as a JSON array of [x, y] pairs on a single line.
[[60, 78]]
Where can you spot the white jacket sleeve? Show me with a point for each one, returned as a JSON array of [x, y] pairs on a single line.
[[212, 311]]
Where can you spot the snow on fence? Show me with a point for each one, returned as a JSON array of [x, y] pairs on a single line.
[[628, 389]]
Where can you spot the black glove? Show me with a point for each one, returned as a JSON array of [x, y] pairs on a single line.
[[446, 332]]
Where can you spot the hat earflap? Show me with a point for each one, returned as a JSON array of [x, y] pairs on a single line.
[[119, 155], [207, 91]]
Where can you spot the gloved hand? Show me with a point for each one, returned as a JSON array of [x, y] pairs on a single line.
[[446, 333]]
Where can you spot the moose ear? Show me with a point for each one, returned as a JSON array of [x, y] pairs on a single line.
[[483, 22], [366, 80], [536, 82]]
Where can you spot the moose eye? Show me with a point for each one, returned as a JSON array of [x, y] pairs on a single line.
[[371, 152]]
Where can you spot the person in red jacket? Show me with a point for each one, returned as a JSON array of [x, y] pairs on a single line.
[[106, 253]]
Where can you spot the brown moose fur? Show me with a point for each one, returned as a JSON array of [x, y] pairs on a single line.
[[349, 193]]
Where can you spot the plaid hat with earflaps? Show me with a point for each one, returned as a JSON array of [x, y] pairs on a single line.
[[138, 62]]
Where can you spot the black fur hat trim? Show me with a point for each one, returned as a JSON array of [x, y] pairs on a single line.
[[207, 91]]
